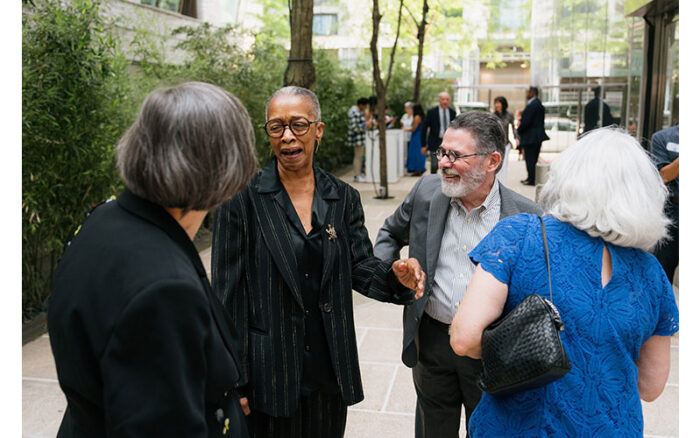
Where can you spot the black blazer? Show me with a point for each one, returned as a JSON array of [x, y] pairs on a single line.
[[142, 346], [254, 272], [591, 115], [531, 128], [432, 128]]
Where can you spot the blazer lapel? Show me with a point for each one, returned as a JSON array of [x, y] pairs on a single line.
[[508, 207], [329, 193], [436, 226], [273, 223]]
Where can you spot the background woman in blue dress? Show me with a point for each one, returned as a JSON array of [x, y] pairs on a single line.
[[605, 202], [415, 162]]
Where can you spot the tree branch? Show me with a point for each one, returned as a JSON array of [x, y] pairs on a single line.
[[393, 49]]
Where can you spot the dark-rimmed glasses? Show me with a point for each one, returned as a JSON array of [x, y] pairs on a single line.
[[452, 157], [298, 125]]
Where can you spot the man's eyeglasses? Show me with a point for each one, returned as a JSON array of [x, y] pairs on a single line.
[[452, 157], [298, 125]]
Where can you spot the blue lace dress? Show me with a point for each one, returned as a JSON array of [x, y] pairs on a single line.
[[415, 162], [604, 329]]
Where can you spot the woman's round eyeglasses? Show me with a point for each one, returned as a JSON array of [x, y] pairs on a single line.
[[298, 125], [452, 157]]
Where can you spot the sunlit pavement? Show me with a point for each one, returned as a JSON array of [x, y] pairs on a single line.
[[389, 405]]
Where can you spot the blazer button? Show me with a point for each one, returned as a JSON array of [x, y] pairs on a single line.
[[327, 307]]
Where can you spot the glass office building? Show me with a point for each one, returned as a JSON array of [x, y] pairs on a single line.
[[626, 48]]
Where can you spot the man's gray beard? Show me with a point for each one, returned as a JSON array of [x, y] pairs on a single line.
[[467, 183]]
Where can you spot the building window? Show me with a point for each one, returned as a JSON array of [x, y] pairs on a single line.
[[325, 24], [184, 7]]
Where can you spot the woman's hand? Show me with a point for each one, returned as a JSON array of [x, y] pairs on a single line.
[[410, 274]]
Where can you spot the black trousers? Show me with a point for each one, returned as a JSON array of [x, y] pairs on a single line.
[[444, 383], [667, 253], [319, 415], [532, 153], [433, 161]]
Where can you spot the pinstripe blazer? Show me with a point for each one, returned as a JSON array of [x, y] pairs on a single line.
[[254, 273], [419, 222]]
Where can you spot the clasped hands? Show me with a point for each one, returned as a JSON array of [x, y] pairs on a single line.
[[410, 274]]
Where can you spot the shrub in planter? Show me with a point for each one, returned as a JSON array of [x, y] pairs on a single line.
[[73, 91]]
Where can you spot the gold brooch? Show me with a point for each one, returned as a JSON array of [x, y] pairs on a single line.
[[332, 235]]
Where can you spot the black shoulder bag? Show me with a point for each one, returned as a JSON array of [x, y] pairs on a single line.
[[522, 350]]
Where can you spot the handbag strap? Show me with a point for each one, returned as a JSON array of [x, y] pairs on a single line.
[[546, 257]]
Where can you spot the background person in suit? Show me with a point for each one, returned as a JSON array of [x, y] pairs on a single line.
[[441, 220], [436, 121], [531, 132], [287, 253], [591, 113], [142, 346]]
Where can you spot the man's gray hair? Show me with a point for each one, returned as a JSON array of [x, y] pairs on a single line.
[[486, 129], [192, 146], [606, 185], [297, 91]]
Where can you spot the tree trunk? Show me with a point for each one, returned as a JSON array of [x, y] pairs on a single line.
[[421, 42], [380, 87], [300, 67]]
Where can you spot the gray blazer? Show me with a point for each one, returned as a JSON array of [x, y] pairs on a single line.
[[419, 222]]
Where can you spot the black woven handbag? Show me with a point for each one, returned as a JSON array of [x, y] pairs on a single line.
[[522, 349]]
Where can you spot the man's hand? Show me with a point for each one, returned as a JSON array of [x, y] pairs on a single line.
[[244, 405], [410, 274], [424, 150]]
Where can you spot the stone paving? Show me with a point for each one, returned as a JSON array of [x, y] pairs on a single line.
[[389, 405]]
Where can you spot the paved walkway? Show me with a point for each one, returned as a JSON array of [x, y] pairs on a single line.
[[389, 405]]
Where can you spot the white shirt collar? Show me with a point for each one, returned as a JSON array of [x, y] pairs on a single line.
[[488, 203]]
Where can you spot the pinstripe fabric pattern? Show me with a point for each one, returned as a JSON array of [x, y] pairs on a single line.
[[254, 273], [463, 231], [319, 416]]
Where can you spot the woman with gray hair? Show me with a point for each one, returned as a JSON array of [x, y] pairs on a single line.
[[286, 255], [604, 200], [141, 344]]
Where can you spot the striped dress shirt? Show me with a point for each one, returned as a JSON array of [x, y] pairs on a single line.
[[463, 231]]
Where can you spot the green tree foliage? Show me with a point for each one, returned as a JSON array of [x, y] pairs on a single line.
[[337, 90], [401, 90], [76, 105], [508, 23], [252, 75], [73, 94]]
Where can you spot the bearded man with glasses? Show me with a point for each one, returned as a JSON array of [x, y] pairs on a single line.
[[287, 253], [441, 220]]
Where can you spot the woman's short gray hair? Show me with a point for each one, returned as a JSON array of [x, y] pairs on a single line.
[[606, 185], [191, 147], [297, 91]]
